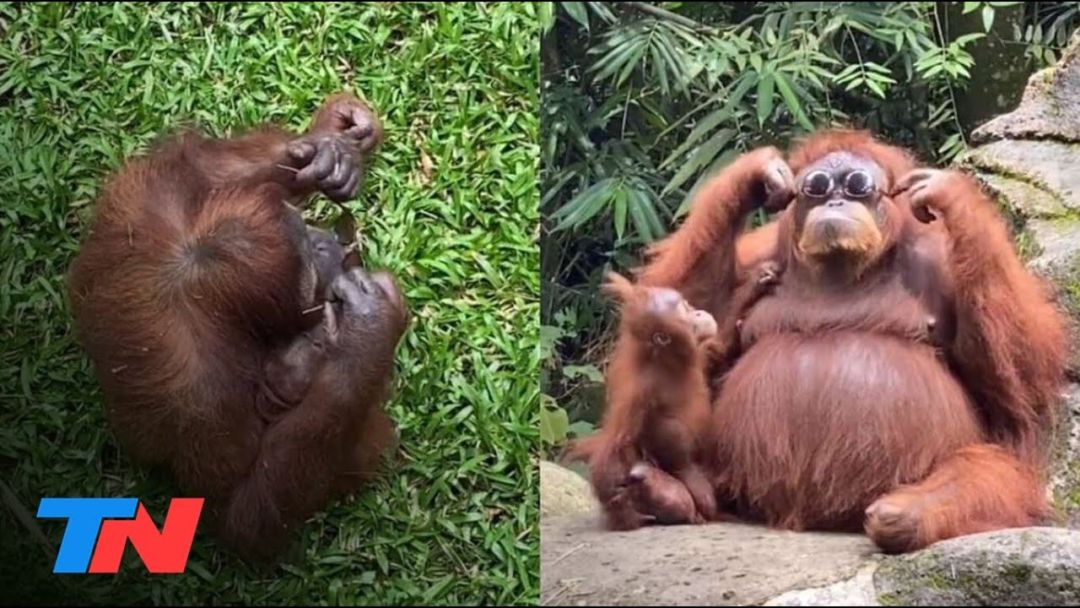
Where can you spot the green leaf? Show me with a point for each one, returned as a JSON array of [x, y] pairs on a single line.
[[765, 98], [549, 339], [971, 6], [928, 74], [847, 73], [745, 83], [577, 12], [621, 55], [656, 227], [706, 124], [584, 206], [659, 69], [724, 160], [620, 213], [792, 102], [582, 428], [589, 372], [966, 39], [673, 59], [641, 213], [602, 11], [637, 216], [701, 157], [987, 17], [876, 88], [546, 14], [554, 424], [631, 64]]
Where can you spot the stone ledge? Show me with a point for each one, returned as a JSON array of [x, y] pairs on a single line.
[[715, 564]]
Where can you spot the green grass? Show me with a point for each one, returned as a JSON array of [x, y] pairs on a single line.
[[81, 88]]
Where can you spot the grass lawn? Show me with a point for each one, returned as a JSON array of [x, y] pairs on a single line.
[[450, 206]]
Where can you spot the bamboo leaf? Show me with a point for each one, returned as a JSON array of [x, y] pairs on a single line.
[[584, 206], [631, 64], [620, 213], [700, 158], [619, 58], [765, 97], [656, 227], [707, 124], [876, 88], [792, 102], [725, 159], [577, 12], [659, 69], [637, 214]]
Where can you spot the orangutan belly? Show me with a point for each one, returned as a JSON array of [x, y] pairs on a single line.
[[810, 429]]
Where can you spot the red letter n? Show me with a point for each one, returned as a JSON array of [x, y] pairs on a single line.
[[164, 552]]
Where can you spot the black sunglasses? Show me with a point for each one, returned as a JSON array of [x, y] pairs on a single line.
[[857, 184]]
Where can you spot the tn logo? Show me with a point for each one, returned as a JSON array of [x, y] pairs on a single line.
[[98, 530]]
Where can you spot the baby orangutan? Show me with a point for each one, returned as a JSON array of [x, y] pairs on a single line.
[[646, 450]]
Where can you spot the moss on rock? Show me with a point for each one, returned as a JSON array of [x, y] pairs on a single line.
[[1030, 567]]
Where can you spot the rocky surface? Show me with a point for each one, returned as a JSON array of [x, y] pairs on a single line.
[[563, 492], [1028, 159], [1028, 567], [1065, 474], [855, 591], [1049, 109], [737, 564], [719, 564], [1045, 166]]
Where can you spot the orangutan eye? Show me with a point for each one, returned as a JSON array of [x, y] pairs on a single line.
[[817, 184], [858, 184]]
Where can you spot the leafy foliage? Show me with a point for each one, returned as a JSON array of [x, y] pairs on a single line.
[[450, 206], [643, 101]]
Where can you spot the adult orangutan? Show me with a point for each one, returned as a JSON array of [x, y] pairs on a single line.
[[243, 351], [902, 376]]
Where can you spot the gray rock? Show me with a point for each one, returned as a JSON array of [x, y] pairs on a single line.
[[856, 591], [715, 564], [1023, 198], [1058, 246], [1057, 258], [563, 492], [1028, 160], [1025, 567], [1020, 567], [1064, 487], [1049, 109], [1046, 166]]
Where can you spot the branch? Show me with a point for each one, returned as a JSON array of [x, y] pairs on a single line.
[[662, 13]]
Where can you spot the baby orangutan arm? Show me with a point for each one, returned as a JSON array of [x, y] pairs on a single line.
[[726, 346]]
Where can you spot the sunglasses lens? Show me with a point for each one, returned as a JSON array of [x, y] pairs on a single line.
[[817, 184], [858, 183]]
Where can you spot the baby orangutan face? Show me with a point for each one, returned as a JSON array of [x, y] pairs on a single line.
[[671, 305]]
